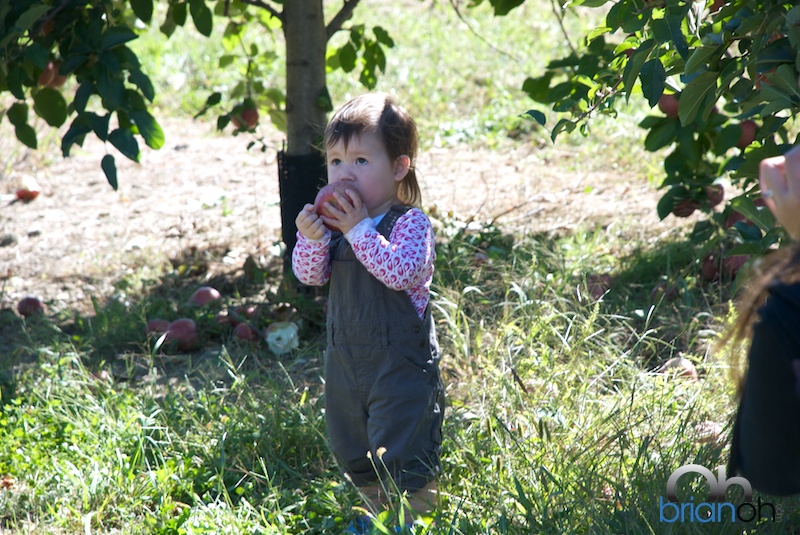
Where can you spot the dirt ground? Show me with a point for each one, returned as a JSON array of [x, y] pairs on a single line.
[[206, 191]]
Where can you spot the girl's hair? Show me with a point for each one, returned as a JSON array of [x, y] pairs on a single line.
[[377, 113], [782, 265]]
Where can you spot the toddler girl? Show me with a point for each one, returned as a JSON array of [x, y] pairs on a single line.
[[383, 393]]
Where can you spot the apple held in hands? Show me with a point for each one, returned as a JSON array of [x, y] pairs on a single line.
[[325, 195]]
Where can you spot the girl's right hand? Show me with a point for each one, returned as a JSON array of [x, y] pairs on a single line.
[[310, 224], [779, 178]]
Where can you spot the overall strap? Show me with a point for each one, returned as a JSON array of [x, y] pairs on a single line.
[[387, 223]]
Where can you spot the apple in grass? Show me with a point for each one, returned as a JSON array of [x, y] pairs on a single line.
[[204, 295], [182, 333], [30, 306], [326, 195]]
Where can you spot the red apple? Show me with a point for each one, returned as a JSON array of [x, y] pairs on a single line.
[[204, 295], [48, 74], [47, 27], [668, 104], [325, 195], [732, 264], [183, 333], [245, 115], [244, 331], [157, 326], [30, 306], [710, 268], [680, 366], [748, 134], [28, 189], [684, 208], [715, 194], [598, 285]]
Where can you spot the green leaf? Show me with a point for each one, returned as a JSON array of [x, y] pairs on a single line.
[[760, 215], [667, 201], [383, 36], [109, 87], [537, 116], [144, 84], [149, 128], [99, 124], [76, 134], [661, 135], [29, 17], [26, 135], [123, 140], [503, 7], [115, 36], [348, 57], [18, 114], [143, 9], [701, 56], [653, 78], [202, 17], [278, 119], [727, 138], [702, 232], [85, 90], [635, 63], [697, 95], [50, 105], [110, 169]]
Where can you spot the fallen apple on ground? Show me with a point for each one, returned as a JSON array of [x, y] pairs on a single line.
[[204, 295], [680, 366], [28, 189], [244, 331], [157, 326], [183, 333], [325, 195], [30, 306]]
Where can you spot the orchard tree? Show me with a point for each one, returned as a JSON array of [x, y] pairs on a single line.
[[45, 43], [722, 81]]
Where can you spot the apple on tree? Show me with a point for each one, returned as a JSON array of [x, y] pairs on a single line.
[[668, 104], [244, 116]]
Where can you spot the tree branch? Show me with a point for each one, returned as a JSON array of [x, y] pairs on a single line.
[[341, 17], [263, 5]]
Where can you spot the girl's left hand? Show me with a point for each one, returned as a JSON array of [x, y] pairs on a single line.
[[352, 211]]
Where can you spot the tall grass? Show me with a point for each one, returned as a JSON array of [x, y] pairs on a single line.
[[558, 420]]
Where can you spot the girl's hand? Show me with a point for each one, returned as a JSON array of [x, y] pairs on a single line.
[[351, 213], [779, 178], [310, 224]]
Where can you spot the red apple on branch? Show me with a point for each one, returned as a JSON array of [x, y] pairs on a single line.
[[668, 104]]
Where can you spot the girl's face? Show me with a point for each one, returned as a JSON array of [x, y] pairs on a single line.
[[366, 166]]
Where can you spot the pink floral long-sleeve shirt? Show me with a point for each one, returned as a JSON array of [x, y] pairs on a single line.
[[402, 263]]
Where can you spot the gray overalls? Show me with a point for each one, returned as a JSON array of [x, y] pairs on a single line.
[[382, 382]]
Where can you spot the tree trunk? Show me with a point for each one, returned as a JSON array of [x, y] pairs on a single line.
[[301, 165]]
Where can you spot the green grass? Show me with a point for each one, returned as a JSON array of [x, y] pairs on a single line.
[[557, 421]]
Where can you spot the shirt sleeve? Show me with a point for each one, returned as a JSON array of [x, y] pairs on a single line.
[[311, 260], [402, 262]]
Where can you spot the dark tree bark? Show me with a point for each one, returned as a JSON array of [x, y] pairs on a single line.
[[301, 166]]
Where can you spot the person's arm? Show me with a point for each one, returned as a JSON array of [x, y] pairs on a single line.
[[404, 261], [311, 262]]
